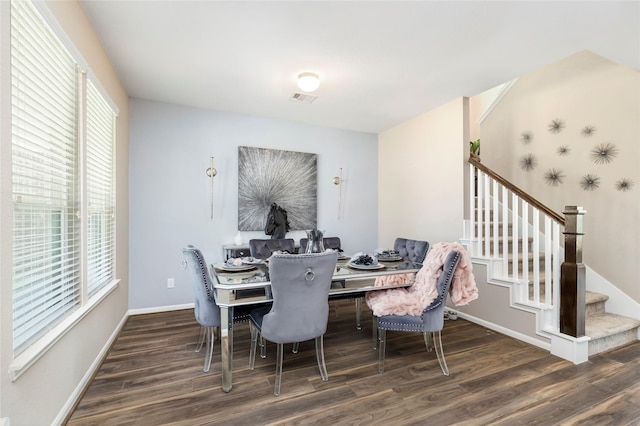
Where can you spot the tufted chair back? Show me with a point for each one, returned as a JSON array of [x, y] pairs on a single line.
[[300, 286], [263, 249], [411, 250], [206, 310], [433, 315], [328, 242]]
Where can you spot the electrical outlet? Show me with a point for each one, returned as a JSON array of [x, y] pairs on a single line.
[[170, 283]]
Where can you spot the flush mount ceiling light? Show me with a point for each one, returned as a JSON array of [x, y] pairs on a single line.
[[308, 81]]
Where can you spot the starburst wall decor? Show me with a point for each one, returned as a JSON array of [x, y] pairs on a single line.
[[556, 126], [526, 137], [588, 131], [624, 184], [604, 153], [590, 182], [563, 150], [554, 177], [528, 162]]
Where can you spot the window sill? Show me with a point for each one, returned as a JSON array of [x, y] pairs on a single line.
[[33, 353]]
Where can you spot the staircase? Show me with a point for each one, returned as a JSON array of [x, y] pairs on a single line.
[[607, 331], [535, 282]]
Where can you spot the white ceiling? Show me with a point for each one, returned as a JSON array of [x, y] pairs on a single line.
[[380, 63]]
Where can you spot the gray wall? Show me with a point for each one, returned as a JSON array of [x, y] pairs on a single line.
[[170, 149]]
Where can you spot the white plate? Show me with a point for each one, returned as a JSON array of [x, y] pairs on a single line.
[[234, 268], [365, 267], [394, 258]]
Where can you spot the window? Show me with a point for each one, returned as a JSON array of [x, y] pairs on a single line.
[[62, 142]]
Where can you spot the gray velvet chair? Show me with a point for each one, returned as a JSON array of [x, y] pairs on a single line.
[[411, 250], [300, 311], [328, 242], [206, 310], [430, 323], [263, 249]]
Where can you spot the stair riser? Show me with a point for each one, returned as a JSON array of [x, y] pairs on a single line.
[[595, 308], [603, 344]]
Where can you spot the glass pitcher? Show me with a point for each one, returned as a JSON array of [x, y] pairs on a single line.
[[315, 243]]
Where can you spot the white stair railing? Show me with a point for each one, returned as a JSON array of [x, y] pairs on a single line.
[[521, 238]]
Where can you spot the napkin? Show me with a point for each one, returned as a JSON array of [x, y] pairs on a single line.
[[361, 258]]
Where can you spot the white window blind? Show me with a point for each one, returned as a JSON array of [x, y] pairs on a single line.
[[51, 161], [46, 229], [100, 191]]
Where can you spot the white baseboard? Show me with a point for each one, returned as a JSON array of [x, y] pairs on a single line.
[[86, 380], [504, 330], [156, 309]]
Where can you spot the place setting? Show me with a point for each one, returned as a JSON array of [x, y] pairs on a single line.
[[239, 264], [387, 255], [364, 262]]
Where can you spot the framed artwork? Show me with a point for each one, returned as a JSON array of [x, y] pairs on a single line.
[[287, 178]]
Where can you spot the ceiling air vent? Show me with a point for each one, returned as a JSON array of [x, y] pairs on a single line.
[[302, 98]]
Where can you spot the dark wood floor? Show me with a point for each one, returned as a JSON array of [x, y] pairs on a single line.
[[152, 376]]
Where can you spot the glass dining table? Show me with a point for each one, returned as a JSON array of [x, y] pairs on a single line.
[[238, 288]]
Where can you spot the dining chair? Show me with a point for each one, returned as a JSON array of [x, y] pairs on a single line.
[[328, 242], [206, 309], [300, 311], [263, 249], [429, 323], [411, 250]]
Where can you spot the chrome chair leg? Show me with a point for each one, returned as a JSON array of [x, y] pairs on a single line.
[[276, 388], [358, 311], [201, 338], [440, 353], [382, 337], [296, 346], [320, 357]]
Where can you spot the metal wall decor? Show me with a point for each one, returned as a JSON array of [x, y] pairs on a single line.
[[528, 162], [590, 182], [588, 131], [563, 150], [526, 137], [554, 177], [287, 178], [556, 126], [624, 184], [604, 153]]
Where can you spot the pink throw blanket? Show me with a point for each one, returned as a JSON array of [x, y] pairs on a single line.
[[413, 300]]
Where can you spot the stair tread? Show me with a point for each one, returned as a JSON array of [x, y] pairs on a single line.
[[606, 324], [593, 297]]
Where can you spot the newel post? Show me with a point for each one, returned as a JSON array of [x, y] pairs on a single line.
[[572, 275]]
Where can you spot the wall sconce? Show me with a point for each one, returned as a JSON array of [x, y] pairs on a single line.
[[337, 180], [211, 172]]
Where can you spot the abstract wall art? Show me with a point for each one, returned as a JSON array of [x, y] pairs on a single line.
[[287, 178]]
